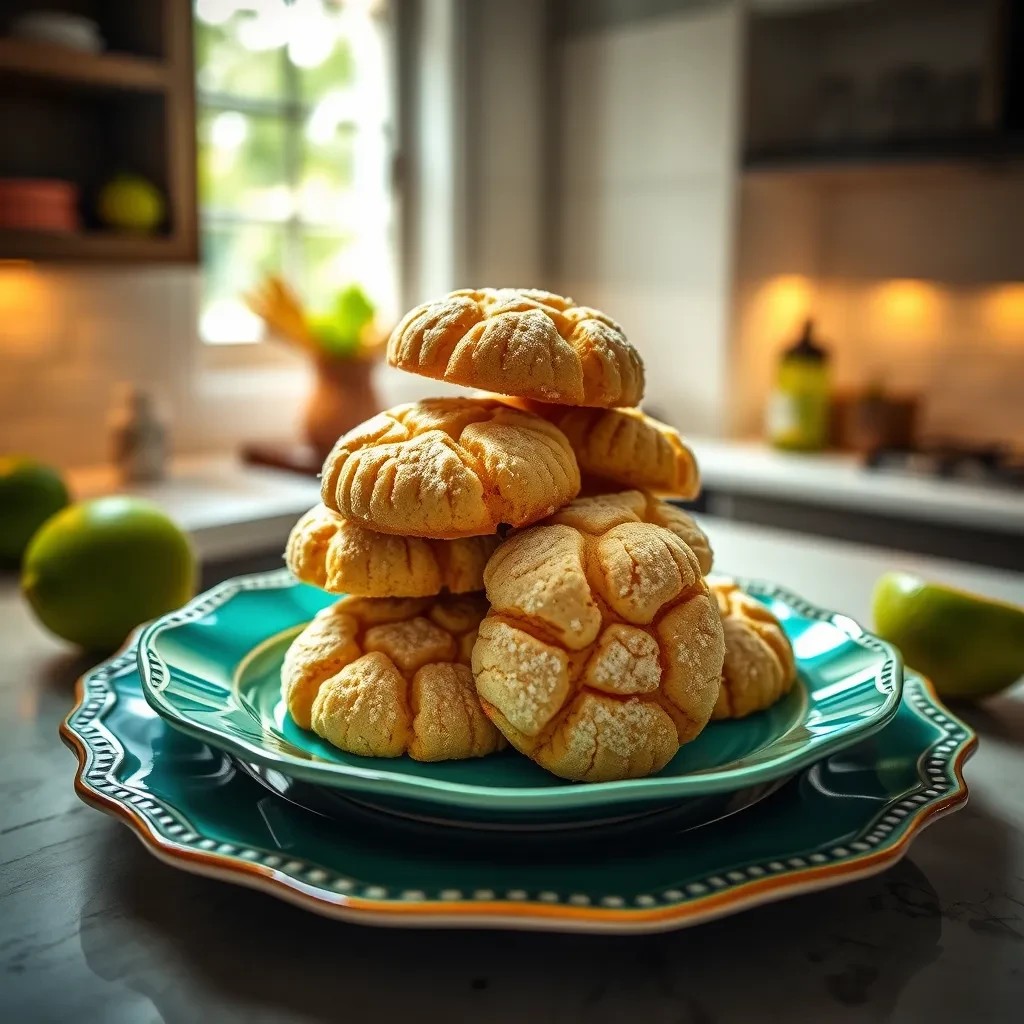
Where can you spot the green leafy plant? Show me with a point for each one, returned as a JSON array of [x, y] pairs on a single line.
[[339, 332]]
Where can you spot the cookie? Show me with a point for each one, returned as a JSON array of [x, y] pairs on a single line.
[[602, 652], [387, 677], [608, 510], [450, 467], [625, 448], [520, 342], [759, 666], [342, 557]]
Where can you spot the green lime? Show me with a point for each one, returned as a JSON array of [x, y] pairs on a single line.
[[29, 494], [99, 568], [968, 645], [132, 203]]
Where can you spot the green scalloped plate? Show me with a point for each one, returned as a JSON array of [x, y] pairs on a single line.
[[212, 670], [850, 815]]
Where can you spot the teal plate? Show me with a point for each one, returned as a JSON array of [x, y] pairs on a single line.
[[852, 814], [212, 669]]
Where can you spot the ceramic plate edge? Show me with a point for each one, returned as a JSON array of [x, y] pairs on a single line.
[[471, 795], [526, 915]]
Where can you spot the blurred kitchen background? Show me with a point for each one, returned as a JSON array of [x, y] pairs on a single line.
[[724, 178]]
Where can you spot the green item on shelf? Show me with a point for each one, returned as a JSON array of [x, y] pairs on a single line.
[[131, 203]]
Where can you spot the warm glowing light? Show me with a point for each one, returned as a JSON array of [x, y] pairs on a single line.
[[783, 302], [905, 301], [906, 310], [1002, 312], [29, 310]]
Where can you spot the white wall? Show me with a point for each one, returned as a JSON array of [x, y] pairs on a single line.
[[506, 111], [475, 147], [645, 159]]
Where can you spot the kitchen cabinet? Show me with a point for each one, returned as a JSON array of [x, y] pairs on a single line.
[[80, 117], [842, 87]]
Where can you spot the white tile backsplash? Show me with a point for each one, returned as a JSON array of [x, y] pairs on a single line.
[[68, 336], [918, 282]]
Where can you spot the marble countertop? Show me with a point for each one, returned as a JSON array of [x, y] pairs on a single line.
[[229, 508], [233, 509], [93, 928], [841, 480]]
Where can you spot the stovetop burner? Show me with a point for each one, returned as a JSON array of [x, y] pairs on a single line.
[[987, 464]]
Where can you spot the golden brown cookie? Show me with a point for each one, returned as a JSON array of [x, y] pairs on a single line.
[[603, 649], [759, 666], [386, 677], [342, 557], [520, 342], [624, 448], [637, 507], [450, 467]]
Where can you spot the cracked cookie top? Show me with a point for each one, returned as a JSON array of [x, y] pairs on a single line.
[[520, 342], [386, 677], [625, 448], [602, 652], [450, 467]]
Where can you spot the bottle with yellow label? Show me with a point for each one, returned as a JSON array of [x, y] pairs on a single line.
[[798, 408]]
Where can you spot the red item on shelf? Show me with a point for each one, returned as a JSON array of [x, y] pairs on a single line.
[[38, 204]]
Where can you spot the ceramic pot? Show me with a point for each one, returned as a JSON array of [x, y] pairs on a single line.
[[343, 396]]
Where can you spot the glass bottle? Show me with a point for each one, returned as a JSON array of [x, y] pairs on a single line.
[[798, 409]]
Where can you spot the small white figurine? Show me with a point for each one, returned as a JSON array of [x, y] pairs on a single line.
[[138, 436]]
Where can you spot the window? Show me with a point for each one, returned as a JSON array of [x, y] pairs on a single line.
[[295, 141]]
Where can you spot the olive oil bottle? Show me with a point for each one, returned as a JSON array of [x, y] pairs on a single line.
[[798, 409]]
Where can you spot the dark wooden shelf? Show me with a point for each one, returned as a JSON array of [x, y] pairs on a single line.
[[83, 118], [108, 71], [904, 155], [98, 246]]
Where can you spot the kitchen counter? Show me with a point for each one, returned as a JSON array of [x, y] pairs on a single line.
[[842, 481], [227, 507], [92, 928]]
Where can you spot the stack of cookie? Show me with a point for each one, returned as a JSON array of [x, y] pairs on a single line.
[[599, 647]]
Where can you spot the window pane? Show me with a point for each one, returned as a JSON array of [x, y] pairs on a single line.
[[326, 270], [328, 171], [234, 260], [332, 261], [242, 164], [333, 72], [227, 65]]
